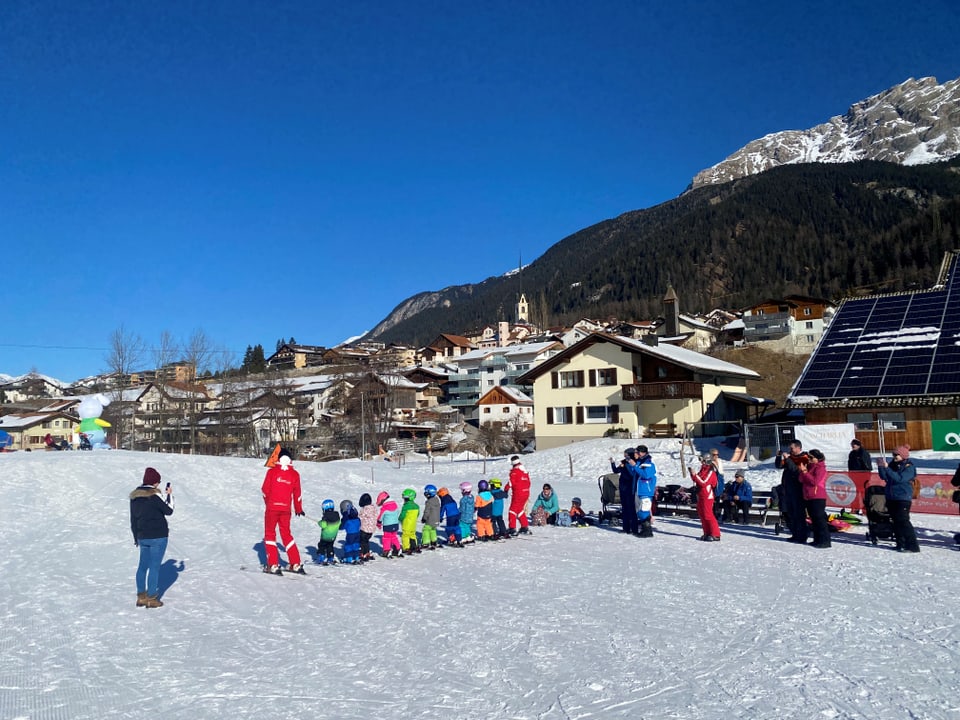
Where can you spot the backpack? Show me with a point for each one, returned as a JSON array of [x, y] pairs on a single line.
[[720, 484]]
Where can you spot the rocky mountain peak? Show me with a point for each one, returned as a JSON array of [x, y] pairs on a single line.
[[915, 122]]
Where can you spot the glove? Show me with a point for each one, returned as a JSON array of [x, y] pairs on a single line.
[[301, 514]]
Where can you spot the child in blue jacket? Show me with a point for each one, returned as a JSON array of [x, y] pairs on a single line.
[[450, 511], [466, 512], [351, 526], [499, 495]]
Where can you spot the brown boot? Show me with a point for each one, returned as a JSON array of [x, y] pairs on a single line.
[[141, 599], [152, 601]]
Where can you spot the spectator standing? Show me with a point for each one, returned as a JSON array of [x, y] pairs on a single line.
[[706, 482], [813, 478], [859, 459], [645, 477], [519, 488], [628, 490], [791, 492], [148, 522], [899, 474]]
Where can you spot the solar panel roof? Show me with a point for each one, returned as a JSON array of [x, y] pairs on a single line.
[[889, 346]]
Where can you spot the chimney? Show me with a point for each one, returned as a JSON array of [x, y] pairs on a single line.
[[650, 339]]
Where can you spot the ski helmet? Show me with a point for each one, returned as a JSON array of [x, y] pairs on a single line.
[[496, 483], [345, 507], [383, 497], [365, 500], [466, 487], [409, 494], [577, 501], [429, 491], [443, 492], [483, 486], [328, 505]]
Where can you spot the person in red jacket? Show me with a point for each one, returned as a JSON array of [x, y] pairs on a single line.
[[519, 488], [706, 481], [281, 486]]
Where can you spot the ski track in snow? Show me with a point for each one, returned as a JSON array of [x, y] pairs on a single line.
[[571, 623]]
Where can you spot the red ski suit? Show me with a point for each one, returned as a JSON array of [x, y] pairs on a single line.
[[519, 488], [280, 488], [706, 481]]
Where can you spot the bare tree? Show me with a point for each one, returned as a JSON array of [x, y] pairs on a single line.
[[125, 352], [197, 352], [164, 353]]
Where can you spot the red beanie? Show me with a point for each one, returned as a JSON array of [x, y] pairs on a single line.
[[903, 451], [151, 477]]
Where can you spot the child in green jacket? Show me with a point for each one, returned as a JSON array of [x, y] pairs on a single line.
[[409, 514], [329, 527]]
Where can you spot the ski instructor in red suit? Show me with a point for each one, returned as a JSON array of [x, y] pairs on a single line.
[[519, 488], [281, 486]]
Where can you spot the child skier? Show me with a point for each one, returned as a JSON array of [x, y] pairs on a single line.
[[450, 511], [577, 516], [389, 520], [484, 506], [368, 525], [431, 518], [409, 514], [499, 495], [466, 512], [351, 526], [329, 527]]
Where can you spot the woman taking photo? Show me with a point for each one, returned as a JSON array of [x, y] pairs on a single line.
[[813, 478]]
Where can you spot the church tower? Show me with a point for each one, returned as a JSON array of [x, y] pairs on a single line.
[[523, 309], [671, 313]]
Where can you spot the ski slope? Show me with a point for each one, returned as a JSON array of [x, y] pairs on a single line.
[[570, 623]]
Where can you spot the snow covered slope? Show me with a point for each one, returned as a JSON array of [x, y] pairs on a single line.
[[912, 123], [571, 623]]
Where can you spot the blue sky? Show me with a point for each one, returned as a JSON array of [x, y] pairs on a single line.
[[261, 170]]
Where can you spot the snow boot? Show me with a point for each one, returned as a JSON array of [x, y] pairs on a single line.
[[296, 568], [646, 529], [152, 601], [272, 570], [525, 531], [141, 599]]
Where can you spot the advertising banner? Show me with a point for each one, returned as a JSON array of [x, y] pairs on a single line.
[[832, 440], [845, 490], [946, 435]]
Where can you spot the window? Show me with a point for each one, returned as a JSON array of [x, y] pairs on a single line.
[[573, 378], [486, 410], [892, 421], [559, 415], [809, 324], [810, 338], [607, 376], [861, 421], [506, 408], [807, 311], [661, 371], [597, 414]]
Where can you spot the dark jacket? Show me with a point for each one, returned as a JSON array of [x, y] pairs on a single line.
[[859, 460], [148, 514], [899, 478], [790, 479]]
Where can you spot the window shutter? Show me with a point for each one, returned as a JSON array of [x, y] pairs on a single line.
[[579, 378], [613, 370], [550, 415], [579, 414], [615, 414], [593, 378], [554, 380]]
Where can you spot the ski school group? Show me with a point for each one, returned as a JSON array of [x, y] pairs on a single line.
[[398, 522]]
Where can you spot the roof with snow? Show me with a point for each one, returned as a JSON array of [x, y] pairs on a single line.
[[891, 349], [690, 359]]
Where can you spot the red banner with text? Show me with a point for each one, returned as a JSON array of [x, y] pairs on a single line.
[[845, 490]]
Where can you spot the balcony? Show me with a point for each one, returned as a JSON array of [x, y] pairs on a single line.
[[662, 391]]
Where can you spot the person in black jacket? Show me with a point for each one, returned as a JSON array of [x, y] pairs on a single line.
[[628, 492], [791, 492], [148, 522], [859, 459]]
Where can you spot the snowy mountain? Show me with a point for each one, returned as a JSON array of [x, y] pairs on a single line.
[[29, 377], [913, 123], [570, 623]]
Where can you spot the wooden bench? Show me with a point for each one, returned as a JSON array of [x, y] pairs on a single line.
[[761, 509], [661, 430]]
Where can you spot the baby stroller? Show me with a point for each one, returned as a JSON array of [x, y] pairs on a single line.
[[611, 509], [879, 524], [85, 443]]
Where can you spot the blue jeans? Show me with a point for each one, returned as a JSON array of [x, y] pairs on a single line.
[[148, 572]]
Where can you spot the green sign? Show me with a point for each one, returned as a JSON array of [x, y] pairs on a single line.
[[946, 435]]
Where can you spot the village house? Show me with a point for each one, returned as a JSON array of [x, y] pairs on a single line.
[[297, 356], [607, 382], [506, 405], [793, 324], [28, 430], [444, 348]]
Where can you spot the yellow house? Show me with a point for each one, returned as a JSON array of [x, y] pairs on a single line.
[[607, 381]]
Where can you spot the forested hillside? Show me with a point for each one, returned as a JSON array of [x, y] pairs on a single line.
[[820, 230]]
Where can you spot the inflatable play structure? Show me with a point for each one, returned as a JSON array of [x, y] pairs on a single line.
[[91, 428]]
